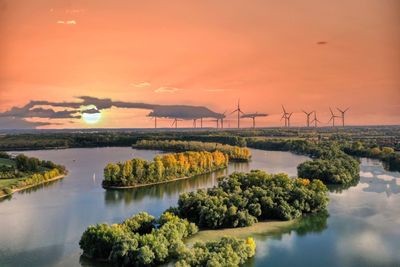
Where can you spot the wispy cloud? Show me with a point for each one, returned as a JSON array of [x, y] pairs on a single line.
[[166, 89], [141, 84], [67, 22]]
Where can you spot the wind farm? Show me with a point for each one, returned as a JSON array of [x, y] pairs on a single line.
[[238, 114], [199, 133]]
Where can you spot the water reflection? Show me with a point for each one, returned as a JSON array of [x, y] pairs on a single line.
[[379, 180], [29, 190], [161, 191], [42, 226]]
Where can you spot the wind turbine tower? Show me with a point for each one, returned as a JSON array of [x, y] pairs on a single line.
[[284, 116], [253, 117], [308, 114], [315, 120], [175, 122], [239, 111], [343, 113], [288, 118], [333, 116]]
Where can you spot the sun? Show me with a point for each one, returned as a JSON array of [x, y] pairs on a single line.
[[91, 117]]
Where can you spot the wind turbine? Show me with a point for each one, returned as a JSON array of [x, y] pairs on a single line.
[[343, 112], [315, 120], [253, 117], [285, 116], [194, 123], [333, 116], [155, 121], [239, 111], [222, 120], [175, 122], [217, 121], [288, 118], [308, 114]]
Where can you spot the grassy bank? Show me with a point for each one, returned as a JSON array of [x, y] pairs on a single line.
[[264, 228], [14, 182]]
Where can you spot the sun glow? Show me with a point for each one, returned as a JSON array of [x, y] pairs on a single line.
[[91, 117]]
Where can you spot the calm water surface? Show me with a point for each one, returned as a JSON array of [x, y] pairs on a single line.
[[42, 226]]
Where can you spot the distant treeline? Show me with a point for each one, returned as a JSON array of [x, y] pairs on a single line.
[[108, 138], [164, 168], [329, 150], [330, 163], [244, 198], [387, 155], [371, 136], [235, 153]]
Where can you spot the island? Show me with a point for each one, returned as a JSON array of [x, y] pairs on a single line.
[[239, 200], [22, 172], [164, 168]]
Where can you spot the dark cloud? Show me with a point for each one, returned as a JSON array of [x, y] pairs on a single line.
[[30, 110], [18, 123], [254, 115], [166, 111], [91, 111], [184, 112]]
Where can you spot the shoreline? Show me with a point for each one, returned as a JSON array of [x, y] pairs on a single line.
[[268, 227], [33, 185], [156, 183]]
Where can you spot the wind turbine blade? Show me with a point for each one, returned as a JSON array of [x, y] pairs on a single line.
[[233, 111], [346, 109], [331, 111], [284, 110], [341, 111]]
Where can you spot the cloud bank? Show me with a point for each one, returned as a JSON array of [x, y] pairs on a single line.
[[15, 117]]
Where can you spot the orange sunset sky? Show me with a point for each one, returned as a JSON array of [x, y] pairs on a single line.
[[204, 53]]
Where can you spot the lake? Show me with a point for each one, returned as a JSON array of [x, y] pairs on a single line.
[[42, 226]]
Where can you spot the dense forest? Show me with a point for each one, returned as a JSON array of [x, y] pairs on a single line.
[[227, 251], [370, 136], [330, 164], [22, 171], [244, 198], [139, 241], [165, 167], [329, 150], [235, 153]]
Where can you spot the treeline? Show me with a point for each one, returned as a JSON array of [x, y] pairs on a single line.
[[227, 251], [379, 136], [387, 155], [244, 198], [139, 241], [330, 163], [164, 168], [34, 179], [235, 153], [144, 241], [22, 165], [105, 138], [26, 171]]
